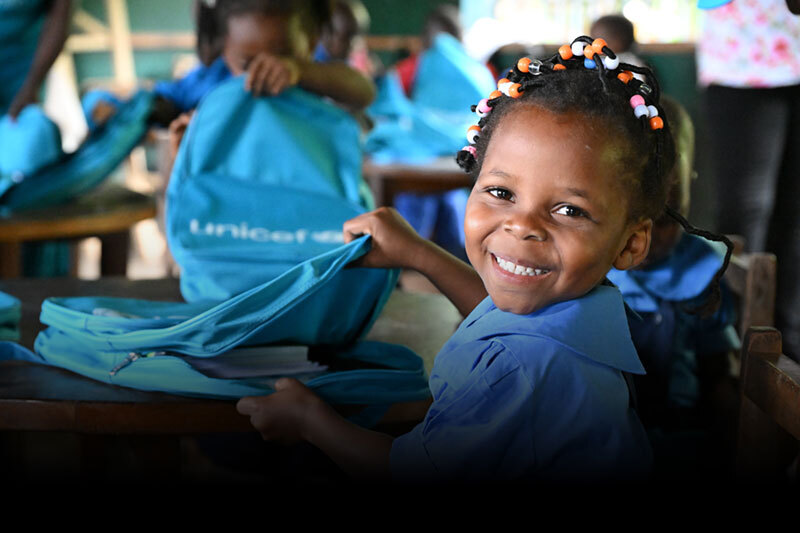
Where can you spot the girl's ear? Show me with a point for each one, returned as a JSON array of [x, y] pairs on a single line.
[[636, 247]]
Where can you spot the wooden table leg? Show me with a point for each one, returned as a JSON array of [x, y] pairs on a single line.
[[114, 253], [10, 260]]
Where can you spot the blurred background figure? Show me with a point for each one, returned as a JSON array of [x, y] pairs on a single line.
[[343, 37], [619, 34], [748, 62]]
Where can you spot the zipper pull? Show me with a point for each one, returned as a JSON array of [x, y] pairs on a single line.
[[132, 356]]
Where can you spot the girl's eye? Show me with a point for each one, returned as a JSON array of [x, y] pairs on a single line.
[[502, 194], [570, 211]]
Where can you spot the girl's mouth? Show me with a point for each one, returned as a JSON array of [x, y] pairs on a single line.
[[519, 270]]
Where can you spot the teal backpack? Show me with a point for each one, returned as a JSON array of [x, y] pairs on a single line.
[[9, 317], [165, 346], [261, 184], [73, 174]]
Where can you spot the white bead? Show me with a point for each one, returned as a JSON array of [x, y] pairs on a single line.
[[611, 64], [577, 48], [471, 134], [503, 87], [480, 114], [640, 111], [652, 111]]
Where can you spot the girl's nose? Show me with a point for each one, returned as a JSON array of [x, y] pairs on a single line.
[[525, 226]]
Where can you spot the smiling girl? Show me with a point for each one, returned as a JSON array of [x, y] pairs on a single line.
[[570, 170]]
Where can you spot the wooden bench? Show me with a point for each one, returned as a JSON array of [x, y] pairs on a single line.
[[769, 417]]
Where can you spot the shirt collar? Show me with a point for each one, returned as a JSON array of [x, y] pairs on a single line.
[[594, 326], [682, 276]]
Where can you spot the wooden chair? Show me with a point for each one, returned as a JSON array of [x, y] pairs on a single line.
[[769, 417], [751, 278]]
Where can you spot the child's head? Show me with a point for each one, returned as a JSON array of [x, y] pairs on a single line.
[[286, 28], [616, 30], [349, 18], [443, 19], [568, 179], [666, 229]]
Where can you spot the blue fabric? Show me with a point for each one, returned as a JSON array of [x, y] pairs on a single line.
[[10, 313], [259, 185], [27, 145], [89, 165], [187, 92], [291, 309], [439, 217], [668, 337], [538, 396], [20, 25]]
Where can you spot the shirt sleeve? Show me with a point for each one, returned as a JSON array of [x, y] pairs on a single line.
[[473, 431]]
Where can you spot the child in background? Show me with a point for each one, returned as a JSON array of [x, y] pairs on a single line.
[[272, 42], [618, 33], [684, 350], [571, 168], [342, 37]]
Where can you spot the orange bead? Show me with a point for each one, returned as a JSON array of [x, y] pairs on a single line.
[[565, 51], [523, 63], [474, 127], [625, 76], [656, 123], [588, 52], [559, 66], [598, 45], [495, 94], [514, 91]]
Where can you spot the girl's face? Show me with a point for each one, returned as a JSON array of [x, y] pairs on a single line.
[[547, 216], [251, 34]]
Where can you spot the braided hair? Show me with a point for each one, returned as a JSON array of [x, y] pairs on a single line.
[[587, 77]]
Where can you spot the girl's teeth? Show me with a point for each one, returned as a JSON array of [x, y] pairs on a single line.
[[519, 269]]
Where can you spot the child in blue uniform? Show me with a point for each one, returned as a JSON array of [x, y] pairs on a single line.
[[570, 174], [683, 350]]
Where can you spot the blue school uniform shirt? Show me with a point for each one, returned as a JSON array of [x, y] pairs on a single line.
[[533, 397], [668, 337], [187, 92]]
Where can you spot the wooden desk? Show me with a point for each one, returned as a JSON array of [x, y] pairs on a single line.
[[107, 213], [43, 398], [442, 174]]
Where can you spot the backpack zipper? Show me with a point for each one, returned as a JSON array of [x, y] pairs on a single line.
[[131, 357]]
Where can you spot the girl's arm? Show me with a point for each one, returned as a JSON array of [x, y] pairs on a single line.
[[338, 81], [396, 244], [294, 413], [51, 41]]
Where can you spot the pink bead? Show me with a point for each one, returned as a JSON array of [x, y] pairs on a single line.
[[483, 106], [637, 100], [471, 149]]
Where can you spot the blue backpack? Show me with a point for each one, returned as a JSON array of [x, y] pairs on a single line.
[[158, 346], [9, 317], [87, 167], [261, 184], [434, 121]]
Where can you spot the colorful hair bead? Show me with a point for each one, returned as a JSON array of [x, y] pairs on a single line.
[[483, 108], [652, 111], [523, 64], [656, 123], [472, 133], [514, 90], [577, 48], [611, 63], [640, 111], [559, 66], [565, 51], [598, 45], [588, 52], [645, 89], [503, 85], [636, 100], [535, 67], [495, 94], [470, 149], [589, 63], [625, 76]]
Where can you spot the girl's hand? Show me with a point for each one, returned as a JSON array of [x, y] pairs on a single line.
[[268, 74], [176, 130], [394, 242], [285, 414]]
